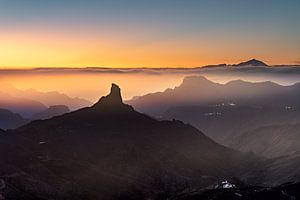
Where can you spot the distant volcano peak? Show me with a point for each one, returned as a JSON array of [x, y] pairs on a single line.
[[252, 62], [113, 98]]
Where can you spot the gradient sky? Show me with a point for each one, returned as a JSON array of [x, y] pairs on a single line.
[[156, 33]]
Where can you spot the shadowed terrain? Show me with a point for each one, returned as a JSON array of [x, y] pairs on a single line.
[[9, 120], [224, 111], [107, 150], [270, 141], [52, 111], [243, 192]]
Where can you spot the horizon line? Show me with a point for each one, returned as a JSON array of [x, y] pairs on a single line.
[[26, 68]]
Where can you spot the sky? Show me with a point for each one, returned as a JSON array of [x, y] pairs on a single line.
[[140, 33]]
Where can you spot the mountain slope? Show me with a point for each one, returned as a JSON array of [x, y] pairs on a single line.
[[52, 111], [9, 120], [197, 90], [109, 149], [225, 122], [274, 140], [235, 107]]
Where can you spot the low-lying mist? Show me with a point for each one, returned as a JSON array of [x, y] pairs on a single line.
[[88, 83]]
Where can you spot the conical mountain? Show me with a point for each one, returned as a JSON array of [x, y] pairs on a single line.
[[109, 150], [252, 62]]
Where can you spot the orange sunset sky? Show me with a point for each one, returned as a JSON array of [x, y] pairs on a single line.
[[143, 34]]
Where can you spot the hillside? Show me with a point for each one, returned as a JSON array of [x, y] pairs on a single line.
[[52, 111], [274, 140], [108, 150], [9, 120], [224, 111]]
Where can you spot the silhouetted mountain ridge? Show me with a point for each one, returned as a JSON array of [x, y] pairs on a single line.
[[52, 111], [197, 90], [252, 62], [9, 120], [29, 102], [225, 111], [109, 149]]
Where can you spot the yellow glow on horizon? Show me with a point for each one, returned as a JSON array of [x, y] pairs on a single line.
[[44, 49]]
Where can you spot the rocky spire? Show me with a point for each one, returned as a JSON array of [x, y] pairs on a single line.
[[113, 98]]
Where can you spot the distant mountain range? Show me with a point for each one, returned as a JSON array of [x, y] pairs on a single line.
[[225, 112], [197, 90], [9, 120], [249, 63], [22, 106], [252, 62], [52, 111], [109, 150], [29, 102]]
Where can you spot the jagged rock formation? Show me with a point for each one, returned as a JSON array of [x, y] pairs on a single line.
[[113, 99]]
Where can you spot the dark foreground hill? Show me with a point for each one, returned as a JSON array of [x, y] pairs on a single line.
[[283, 192], [108, 150]]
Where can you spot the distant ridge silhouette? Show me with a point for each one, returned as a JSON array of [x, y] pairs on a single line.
[[29, 102], [252, 62], [223, 111], [10, 120], [52, 111]]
